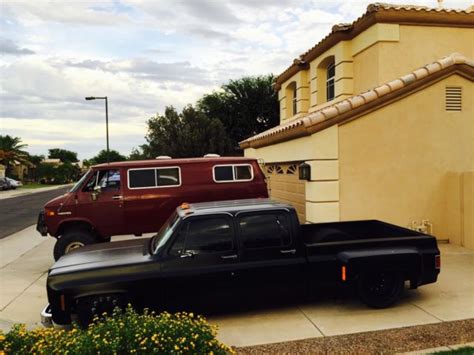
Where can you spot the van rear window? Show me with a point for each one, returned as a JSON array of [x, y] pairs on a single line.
[[231, 173], [153, 178]]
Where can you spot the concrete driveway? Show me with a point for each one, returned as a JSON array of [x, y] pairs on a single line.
[[25, 258]]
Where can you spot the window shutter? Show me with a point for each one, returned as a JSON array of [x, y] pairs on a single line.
[[453, 98]]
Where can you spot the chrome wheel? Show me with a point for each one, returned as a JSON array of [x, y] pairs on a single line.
[[74, 245]]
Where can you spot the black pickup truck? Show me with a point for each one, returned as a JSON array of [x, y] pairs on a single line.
[[243, 251]]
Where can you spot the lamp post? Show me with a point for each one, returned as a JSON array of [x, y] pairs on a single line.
[[88, 98]]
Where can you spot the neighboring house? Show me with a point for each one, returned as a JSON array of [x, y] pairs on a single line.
[[54, 162], [22, 170], [2, 170], [382, 111]]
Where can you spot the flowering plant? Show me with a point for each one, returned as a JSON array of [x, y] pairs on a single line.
[[123, 332]]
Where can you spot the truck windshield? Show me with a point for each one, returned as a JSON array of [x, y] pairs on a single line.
[[78, 184], [165, 232]]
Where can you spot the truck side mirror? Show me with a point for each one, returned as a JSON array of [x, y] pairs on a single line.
[[96, 192]]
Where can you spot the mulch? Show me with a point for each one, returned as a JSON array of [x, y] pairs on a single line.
[[376, 342]]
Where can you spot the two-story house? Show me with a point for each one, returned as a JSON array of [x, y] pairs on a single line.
[[380, 113]]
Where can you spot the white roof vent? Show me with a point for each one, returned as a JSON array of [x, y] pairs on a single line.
[[163, 157], [212, 156]]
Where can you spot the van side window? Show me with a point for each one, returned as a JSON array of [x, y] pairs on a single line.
[[153, 177], [233, 173], [167, 177], [265, 230], [209, 235], [141, 178]]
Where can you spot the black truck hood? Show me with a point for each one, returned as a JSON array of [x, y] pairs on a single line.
[[104, 255]]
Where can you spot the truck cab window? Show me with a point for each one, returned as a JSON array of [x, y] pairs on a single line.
[[265, 230], [198, 236]]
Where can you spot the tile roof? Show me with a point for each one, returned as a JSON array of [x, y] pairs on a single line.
[[327, 116], [380, 13]]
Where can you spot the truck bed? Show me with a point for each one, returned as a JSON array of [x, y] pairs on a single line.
[[314, 234]]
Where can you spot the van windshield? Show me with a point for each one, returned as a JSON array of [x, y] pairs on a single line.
[[165, 232], [78, 184]]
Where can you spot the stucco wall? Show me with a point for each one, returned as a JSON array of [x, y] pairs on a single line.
[[417, 45], [395, 163]]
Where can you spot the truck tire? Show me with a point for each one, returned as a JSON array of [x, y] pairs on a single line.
[[71, 240], [380, 289]]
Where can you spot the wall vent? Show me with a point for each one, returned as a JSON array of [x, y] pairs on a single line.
[[453, 98]]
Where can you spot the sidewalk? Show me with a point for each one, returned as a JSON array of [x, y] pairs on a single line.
[[25, 191]]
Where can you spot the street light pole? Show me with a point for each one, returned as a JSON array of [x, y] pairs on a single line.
[[106, 120], [107, 128]]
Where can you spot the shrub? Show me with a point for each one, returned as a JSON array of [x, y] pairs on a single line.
[[124, 332]]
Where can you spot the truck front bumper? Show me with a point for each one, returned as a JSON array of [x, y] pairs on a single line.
[[41, 225], [46, 316]]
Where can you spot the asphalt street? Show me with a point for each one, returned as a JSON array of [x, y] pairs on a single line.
[[17, 213]]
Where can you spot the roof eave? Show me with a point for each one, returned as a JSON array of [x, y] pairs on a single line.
[[464, 70], [402, 17]]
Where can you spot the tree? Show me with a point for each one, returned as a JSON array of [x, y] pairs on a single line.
[[11, 150], [245, 107], [187, 134], [35, 159], [66, 156], [101, 157], [137, 154]]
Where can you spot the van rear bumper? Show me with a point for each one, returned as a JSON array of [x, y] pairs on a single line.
[[41, 225]]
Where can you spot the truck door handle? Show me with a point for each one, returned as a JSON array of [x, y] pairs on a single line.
[[289, 251], [225, 257], [116, 197]]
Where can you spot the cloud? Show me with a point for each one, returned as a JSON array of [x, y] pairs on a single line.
[[31, 13], [7, 46], [143, 55], [142, 68]]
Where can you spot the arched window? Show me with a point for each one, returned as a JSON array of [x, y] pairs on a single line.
[[330, 80], [291, 100], [326, 80]]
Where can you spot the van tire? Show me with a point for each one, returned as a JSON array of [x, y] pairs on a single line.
[[380, 289], [72, 239]]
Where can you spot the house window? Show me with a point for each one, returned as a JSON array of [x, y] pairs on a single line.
[[294, 102], [291, 100], [330, 79]]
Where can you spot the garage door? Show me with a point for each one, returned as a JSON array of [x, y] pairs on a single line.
[[284, 185]]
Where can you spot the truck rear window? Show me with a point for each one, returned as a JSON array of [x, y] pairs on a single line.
[[265, 230], [153, 177], [233, 173]]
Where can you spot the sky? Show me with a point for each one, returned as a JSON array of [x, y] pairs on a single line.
[[143, 55]]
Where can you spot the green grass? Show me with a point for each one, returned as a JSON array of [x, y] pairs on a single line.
[[33, 185], [468, 350]]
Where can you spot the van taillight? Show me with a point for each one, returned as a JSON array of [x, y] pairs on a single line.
[[437, 261]]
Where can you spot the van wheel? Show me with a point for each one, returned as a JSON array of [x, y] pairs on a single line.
[[380, 289], [72, 239], [95, 306]]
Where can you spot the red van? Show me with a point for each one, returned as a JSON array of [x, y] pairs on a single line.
[[136, 197]]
